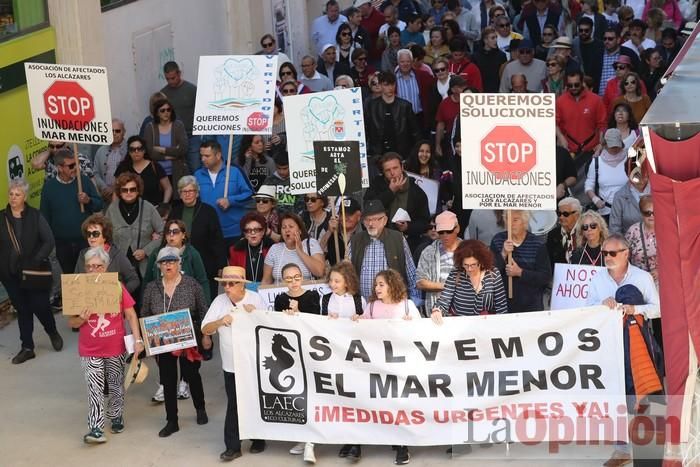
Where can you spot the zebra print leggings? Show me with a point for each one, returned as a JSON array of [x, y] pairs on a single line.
[[97, 370]]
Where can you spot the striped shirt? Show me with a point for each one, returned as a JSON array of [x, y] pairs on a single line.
[[407, 88], [463, 300]]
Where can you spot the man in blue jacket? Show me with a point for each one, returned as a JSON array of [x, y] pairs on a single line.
[[212, 178]]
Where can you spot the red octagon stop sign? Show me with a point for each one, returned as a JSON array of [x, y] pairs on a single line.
[[69, 105], [508, 151], [257, 121]]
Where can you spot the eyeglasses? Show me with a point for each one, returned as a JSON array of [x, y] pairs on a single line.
[[290, 279], [165, 109], [174, 231], [188, 192], [286, 73], [552, 65], [573, 85], [566, 213], [168, 262], [440, 70], [263, 200], [253, 230], [288, 91], [268, 44], [633, 81], [620, 67], [136, 149], [592, 226], [612, 253], [56, 146], [445, 232], [310, 199], [609, 38], [470, 265], [69, 166], [647, 213], [94, 234], [370, 220], [230, 283], [130, 189], [93, 267]]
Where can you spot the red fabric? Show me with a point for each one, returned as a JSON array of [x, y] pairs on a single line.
[[469, 72], [103, 335], [239, 257], [372, 24], [679, 160], [612, 92], [191, 354], [580, 119], [426, 81], [447, 111]]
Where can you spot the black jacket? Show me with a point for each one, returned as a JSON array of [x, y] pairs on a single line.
[[489, 63], [206, 235], [35, 239], [405, 126], [340, 68]]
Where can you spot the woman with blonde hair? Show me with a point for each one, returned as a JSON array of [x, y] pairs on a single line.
[[591, 232]]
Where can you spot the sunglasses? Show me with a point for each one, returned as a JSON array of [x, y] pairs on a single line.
[[630, 82], [286, 73], [131, 189], [609, 39], [69, 166], [165, 109], [253, 230], [174, 232], [344, 34], [504, 25], [288, 91], [552, 65], [290, 279], [168, 262], [647, 213], [525, 51], [592, 226], [445, 232], [116, 130], [268, 44], [136, 149], [440, 70], [230, 283], [573, 85], [612, 253], [94, 234], [310, 199], [620, 67], [57, 146], [263, 201], [566, 213]]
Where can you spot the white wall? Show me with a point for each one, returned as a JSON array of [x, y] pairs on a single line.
[[195, 28]]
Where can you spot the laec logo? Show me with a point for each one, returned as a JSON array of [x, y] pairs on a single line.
[[282, 384]]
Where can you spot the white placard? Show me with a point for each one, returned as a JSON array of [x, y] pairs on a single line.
[[269, 292], [69, 103], [570, 284], [430, 187], [333, 115], [549, 376], [508, 151], [235, 94]]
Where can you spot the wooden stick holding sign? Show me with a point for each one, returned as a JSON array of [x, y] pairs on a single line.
[[334, 213], [77, 172], [341, 185], [509, 260], [228, 164]]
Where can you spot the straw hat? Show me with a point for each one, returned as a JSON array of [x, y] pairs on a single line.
[[136, 373], [232, 274]]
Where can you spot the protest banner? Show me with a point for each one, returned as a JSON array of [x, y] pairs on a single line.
[[430, 187], [570, 284], [333, 159], [508, 151], [167, 332], [269, 292], [549, 376], [235, 94], [69, 103], [321, 116], [100, 293]]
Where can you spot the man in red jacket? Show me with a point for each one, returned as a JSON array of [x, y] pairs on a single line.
[[372, 20], [460, 64]]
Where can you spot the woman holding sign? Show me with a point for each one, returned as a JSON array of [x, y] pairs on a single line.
[[102, 354], [175, 291]]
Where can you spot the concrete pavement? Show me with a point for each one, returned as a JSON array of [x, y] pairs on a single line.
[[43, 404]]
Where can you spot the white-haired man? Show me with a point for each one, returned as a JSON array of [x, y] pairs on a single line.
[[561, 241]]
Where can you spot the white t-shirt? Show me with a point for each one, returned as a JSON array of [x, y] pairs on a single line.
[[343, 305], [279, 255], [220, 307]]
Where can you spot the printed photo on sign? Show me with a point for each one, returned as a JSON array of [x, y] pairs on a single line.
[[322, 116], [508, 151], [338, 168], [235, 94], [281, 376], [69, 103], [168, 332]]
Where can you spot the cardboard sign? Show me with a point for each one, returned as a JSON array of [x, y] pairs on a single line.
[[167, 332], [69, 102], [508, 151], [430, 187], [337, 162], [235, 95], [269, 292], [321, 116], [570, 284], [99, 293]]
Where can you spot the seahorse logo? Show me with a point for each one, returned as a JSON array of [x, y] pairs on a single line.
[[280, 361]]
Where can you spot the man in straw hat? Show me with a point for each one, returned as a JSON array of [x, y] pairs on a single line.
[[219, 317]]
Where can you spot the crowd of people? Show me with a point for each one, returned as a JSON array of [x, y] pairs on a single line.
[[151, 206]]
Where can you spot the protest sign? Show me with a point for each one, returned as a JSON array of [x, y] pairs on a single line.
[[570, 284], [336, 159], [269, 292], [69, 102], [321, 116], [508, 151], [99, 293], [430, 187], [235, 94], [483, 379], [167, 332]]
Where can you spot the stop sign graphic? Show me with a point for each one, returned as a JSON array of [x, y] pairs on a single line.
[[508, 151], [257, 121], [69, 105]]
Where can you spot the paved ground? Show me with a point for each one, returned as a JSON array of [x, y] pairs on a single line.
[[43, 408]]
